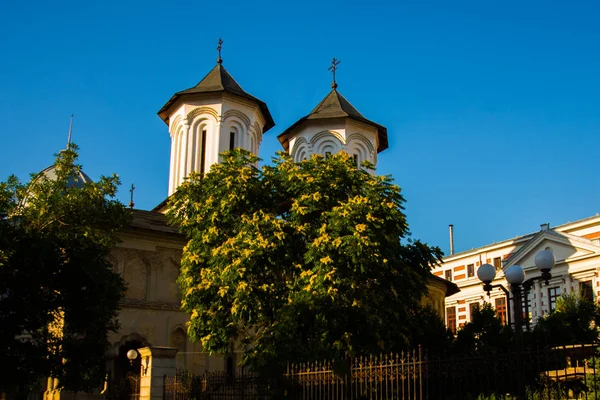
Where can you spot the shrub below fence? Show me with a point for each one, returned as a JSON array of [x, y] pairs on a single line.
[[558, 373]]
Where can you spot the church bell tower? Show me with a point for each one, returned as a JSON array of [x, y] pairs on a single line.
[[335, 125], [214, 116]]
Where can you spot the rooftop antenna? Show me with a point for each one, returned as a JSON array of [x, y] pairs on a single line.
[[70, 132], [131, 204], [219, 59], [333, 68]]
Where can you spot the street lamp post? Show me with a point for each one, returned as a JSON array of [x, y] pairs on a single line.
[[515, 276]]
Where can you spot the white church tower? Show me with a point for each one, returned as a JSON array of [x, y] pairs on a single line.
[[335, 125], [214, 116]]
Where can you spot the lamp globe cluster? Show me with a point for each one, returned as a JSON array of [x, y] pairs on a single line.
[[515, 275]]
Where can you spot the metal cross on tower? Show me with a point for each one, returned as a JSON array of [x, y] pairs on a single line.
[[220, 60], [333, 68], [131, 197]]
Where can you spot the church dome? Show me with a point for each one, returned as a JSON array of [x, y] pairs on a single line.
[[77, 179]]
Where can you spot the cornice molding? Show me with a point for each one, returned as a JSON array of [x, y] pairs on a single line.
[[151, 305]]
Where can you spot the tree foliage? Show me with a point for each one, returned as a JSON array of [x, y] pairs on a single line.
[[484, 333], [575, 320], [297, 260], [59, 295]]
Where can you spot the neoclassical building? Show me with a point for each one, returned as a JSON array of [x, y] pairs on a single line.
[[576, 249], [203, 121]]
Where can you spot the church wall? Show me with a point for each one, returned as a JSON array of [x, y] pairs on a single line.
[[150, 312], [188, 121], [243, 118], [332, 136]]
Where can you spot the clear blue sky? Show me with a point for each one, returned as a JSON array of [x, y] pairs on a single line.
[[492, 107]]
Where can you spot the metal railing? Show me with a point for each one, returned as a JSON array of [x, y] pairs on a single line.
[[392, 376], [567, 372]]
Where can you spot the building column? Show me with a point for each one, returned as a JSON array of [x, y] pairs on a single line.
[[173, 162], [568, 283], [183, 152], [213, 155], [157, 362]]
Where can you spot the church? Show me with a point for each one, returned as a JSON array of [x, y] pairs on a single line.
[[211, 117]]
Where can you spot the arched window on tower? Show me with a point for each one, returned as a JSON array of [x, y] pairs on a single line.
[[203, 152], [231, 140]]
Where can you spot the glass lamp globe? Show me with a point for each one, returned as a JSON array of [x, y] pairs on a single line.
[[132, 355], [486, 273], [514, 275], [544, 260]]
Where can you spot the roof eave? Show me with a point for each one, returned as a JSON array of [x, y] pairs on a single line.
[[284, 137], [269, 122]]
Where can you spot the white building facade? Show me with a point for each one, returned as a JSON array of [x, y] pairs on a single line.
[[576, 249]]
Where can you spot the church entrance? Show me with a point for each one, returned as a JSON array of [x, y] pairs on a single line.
[[125, 379]]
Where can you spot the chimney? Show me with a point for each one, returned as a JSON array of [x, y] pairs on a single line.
[[451, 227], [545, 226]]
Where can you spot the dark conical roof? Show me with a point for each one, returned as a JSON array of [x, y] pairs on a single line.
[[218, 80], [334, 105]]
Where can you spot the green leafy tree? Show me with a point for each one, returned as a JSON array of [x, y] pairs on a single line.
[[575, 320], [297, 260], [427, 329], [59, 295], [484, 333]]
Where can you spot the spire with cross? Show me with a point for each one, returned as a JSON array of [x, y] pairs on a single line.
[[219, 59], [333, 68], [70, 132], [131, 204]]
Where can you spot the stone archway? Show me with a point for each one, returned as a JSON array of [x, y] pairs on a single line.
[[124, 374]]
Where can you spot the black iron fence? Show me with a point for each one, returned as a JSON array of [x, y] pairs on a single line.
[[568, 372], [126, 388], [241, 384], [393, 376]]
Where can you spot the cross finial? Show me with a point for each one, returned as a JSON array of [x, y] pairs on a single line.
[[333, 68], [220, 60], [131, 197], [70, 132]]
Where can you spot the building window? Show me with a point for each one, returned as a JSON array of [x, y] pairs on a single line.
[[451, 319], [448, 274], [470, 270], [553, 294], [472, 308], [231, 140], [203, 154], [355, 158], [501, 309], [526, 307], [586, 290], [498, 263]]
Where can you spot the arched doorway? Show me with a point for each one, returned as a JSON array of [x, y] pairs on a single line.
[[123, 366], [125, 373]]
